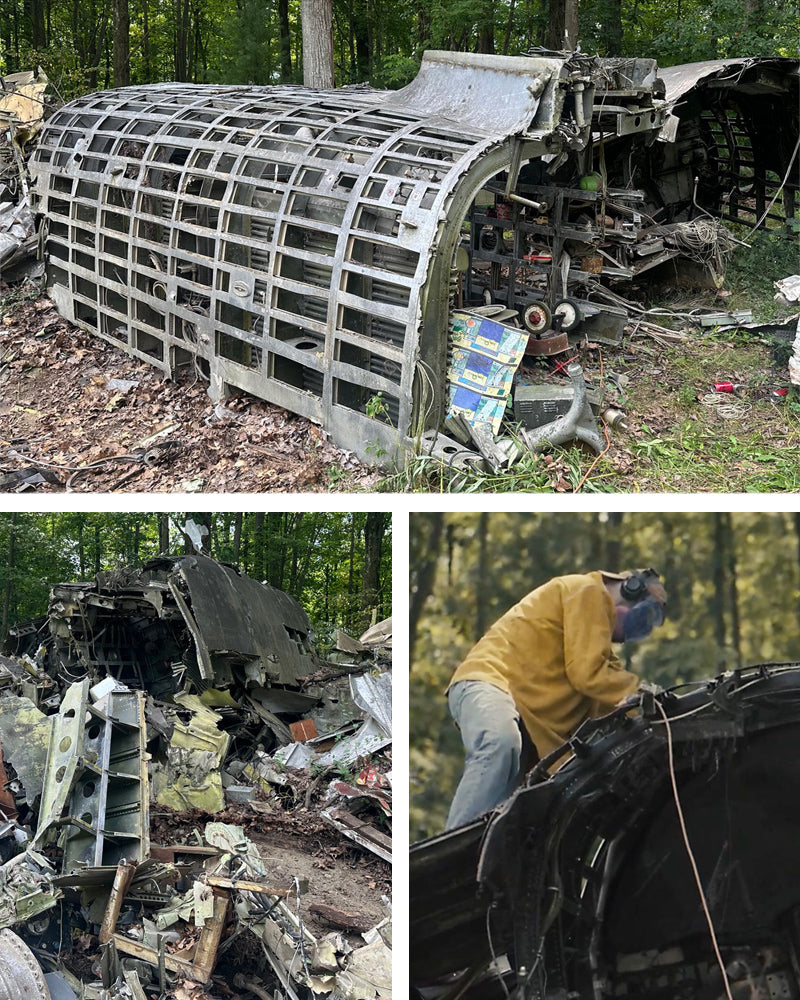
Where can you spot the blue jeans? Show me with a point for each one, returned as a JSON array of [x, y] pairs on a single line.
[[489, 724]]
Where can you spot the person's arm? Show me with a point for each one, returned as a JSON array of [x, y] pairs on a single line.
[[590, 663]]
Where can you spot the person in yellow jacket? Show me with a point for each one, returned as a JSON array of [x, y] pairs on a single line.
[[548, 665]]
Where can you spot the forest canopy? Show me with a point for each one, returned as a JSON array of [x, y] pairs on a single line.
[[733, 581], [87, 45], [337, 565]]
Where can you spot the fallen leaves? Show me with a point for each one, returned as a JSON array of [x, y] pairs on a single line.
[[74, 402]]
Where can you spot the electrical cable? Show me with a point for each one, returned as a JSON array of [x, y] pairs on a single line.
[[719, 402], [690, 853], [492, 951]]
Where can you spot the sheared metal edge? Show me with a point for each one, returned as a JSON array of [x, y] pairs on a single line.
[[62, 760], [374, 696], [501, 94], [203, 656], [354, 835], [679, 80]]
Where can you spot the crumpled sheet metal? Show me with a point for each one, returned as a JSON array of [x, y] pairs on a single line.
[[379, 634], [191, 777], [22, 102], [368, 973], [370, 738], [17, 235], [25, 736], [374, 696], [26, 888], [501, 95], [679, 80]]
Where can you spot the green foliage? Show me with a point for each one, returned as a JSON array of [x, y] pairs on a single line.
[[247, 36], [752, 271], [379, 41], [724, 609], [395, 70], [316, 557]]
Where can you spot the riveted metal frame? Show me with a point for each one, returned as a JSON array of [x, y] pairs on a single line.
[[96, 786], [278, 239]]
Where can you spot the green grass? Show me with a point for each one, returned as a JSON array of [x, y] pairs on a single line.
[[751, 271], [676, 442]]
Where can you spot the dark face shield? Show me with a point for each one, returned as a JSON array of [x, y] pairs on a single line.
[[641, 619]]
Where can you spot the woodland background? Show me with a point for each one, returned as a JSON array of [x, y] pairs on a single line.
[[337, 565], [84, 45], [733, 581]]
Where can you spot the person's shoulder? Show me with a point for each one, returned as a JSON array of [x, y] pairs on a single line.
[[579, 581]]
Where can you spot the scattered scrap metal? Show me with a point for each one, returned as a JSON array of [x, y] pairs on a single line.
[[186, 689], [414, 270], [21, 116]]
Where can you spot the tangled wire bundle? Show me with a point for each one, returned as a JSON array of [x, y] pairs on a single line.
[[704, 240]]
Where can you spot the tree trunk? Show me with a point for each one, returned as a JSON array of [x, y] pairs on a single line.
[[360, 28], [182, 40], [122, 43], [317, 20], [425, 542], [797, 532], [720, 588], [285, 40], [509, 27], [374, 528], [486, 30], [563, 21], [9, 588], [351, 572], [258, 545], [481, 604], [98, 550], [146, 41], [237, 536], [163, 533], [613, 28], [81, 550], [733, 591], [34, 11]]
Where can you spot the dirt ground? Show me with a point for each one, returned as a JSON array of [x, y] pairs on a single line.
[[333, 870], [62, 414]]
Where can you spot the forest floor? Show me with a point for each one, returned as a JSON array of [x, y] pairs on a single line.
[[80, 415], [88, 418]]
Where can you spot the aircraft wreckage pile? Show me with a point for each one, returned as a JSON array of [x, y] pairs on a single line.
[[413, 270], [184, 698]]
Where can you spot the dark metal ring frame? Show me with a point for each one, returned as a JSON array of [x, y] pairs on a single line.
[[615, 770]]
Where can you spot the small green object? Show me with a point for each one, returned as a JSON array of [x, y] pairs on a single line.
[[591, 182]]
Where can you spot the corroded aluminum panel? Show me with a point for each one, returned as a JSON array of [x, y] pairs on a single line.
[[505, 95], [239, 617]]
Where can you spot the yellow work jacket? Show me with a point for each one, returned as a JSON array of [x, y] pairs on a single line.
[[552, 653]]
